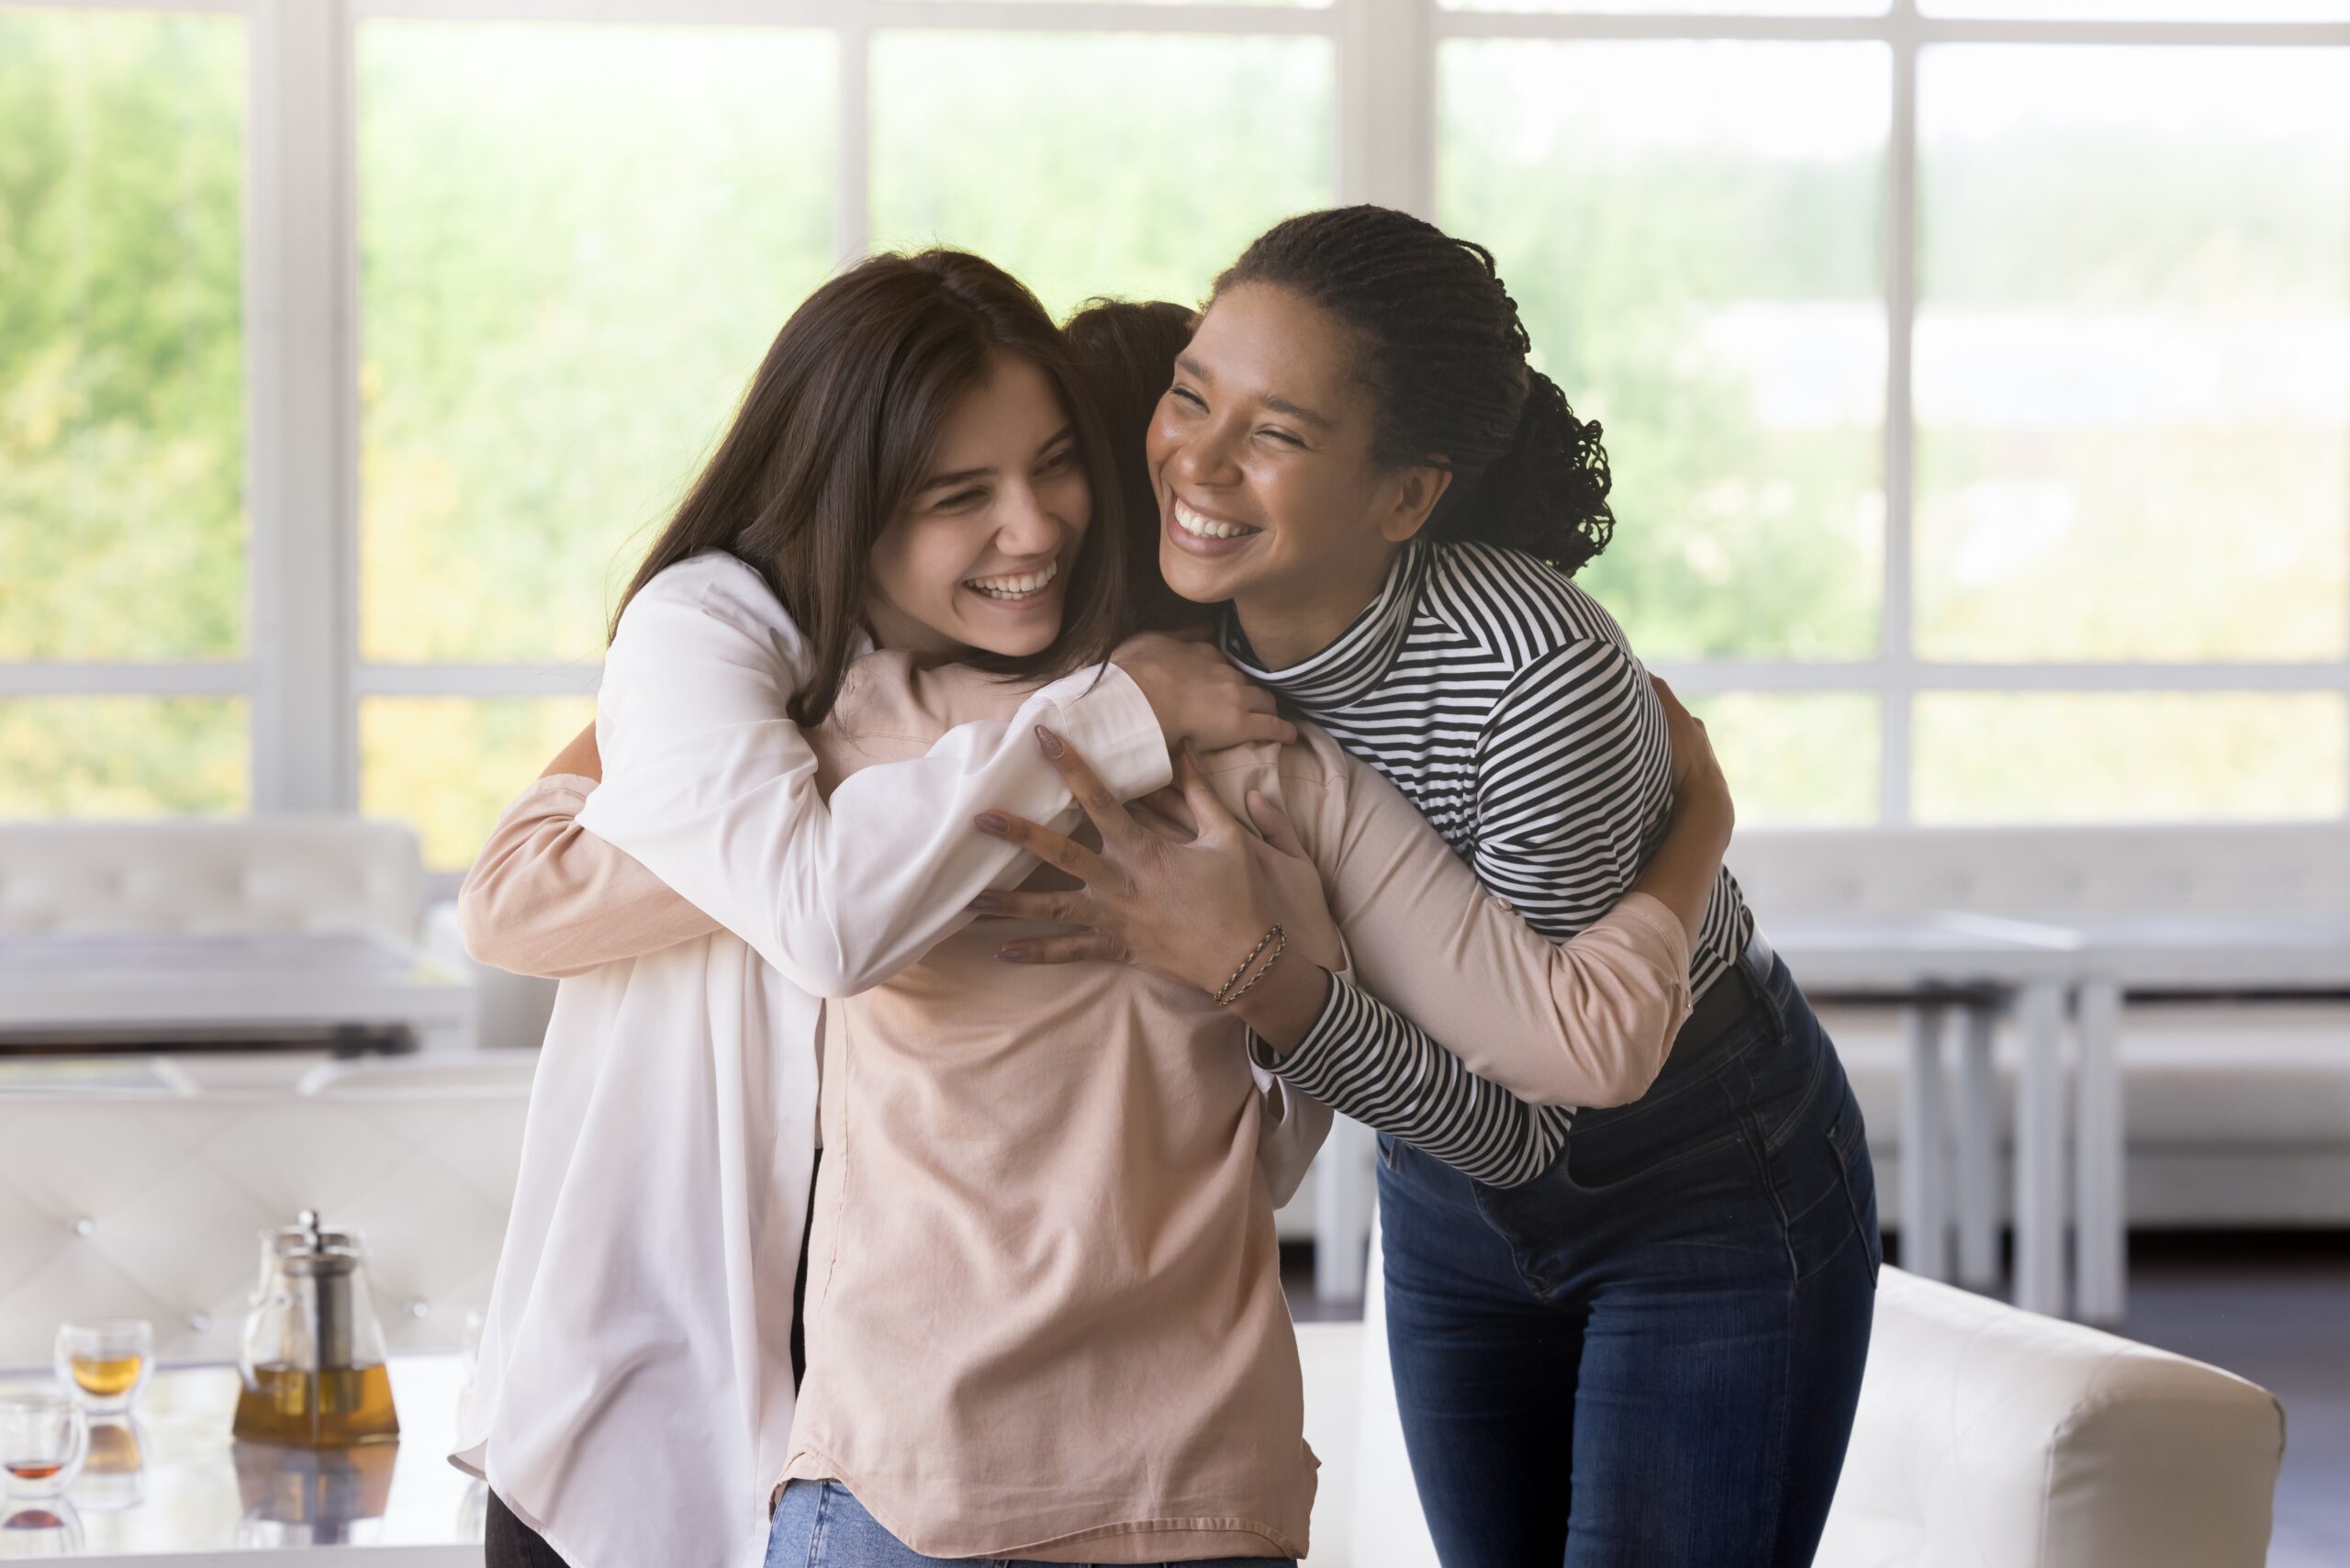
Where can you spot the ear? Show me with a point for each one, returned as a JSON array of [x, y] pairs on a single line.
[[1418, 490]]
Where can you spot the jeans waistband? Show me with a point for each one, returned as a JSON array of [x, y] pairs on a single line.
[[1725, 1004]]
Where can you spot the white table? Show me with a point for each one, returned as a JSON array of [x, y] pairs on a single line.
[[63, 982], [1933, 962], [172, 1487], [2236, 951]]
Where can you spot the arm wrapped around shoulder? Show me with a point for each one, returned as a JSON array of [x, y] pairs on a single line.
[[545, 897]]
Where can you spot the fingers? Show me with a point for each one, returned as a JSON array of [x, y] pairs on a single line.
[[1045, 845], [1169, 802], [1207, 809], [1068, 906], [1274, 823], [1267, 727], [1086, 947], [1106, 812]]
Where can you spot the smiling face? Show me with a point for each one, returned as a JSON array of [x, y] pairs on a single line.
[[1269, 493], [980, 557]]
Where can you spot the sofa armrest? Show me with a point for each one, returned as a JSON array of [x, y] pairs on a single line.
[[1989, 1436]]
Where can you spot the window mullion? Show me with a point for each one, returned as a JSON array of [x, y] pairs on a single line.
[[1896, 630], [295, 442]]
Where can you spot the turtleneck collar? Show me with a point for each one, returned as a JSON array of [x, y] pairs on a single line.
[[1358, 658]]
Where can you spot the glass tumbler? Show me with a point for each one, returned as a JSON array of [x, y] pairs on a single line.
[[105, 1364], [43, 1439]]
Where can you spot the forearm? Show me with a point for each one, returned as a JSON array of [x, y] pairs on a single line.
[[546, 897], [1363, 1058], [1683, 873]]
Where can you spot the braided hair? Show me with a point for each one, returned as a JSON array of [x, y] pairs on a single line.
[[1443, 354]]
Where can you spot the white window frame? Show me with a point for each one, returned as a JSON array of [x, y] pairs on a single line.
[[302, 673]]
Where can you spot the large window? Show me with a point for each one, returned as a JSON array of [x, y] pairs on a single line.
[[123, 624], [1975, 373]]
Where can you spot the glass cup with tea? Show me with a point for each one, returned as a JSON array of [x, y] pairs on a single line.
[[105, 1364], [43, 1439]]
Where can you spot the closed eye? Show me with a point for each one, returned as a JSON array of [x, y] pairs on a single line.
[[960, 500], [1186, 395]]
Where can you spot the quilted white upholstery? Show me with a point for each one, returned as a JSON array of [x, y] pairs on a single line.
[[1987, 1438], [195, 874], [148, 1204]]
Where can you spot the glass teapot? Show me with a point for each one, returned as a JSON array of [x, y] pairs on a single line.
[[312, 1355]]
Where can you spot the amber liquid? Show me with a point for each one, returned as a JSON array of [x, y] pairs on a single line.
[[317, 1409], [33, 1469], [105, 1377]]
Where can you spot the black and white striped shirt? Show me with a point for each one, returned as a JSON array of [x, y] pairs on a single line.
[[1508, 706]]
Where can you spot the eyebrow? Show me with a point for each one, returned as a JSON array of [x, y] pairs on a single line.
[[1273, 400], [965, 475]]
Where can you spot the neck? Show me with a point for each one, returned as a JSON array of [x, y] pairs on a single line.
[[890, 627], [1285, 628]]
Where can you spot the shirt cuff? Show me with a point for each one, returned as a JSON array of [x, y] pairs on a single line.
[[573, 788], [1342, 1006], [1104, 714], [1649, 912]]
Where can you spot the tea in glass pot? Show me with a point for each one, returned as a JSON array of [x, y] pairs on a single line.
[[312, 1355]]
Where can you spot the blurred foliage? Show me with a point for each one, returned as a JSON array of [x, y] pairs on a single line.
[[1143, 164], [122, 756], [1628, 215], [576, 243], [1797, 758], [121, 377], [451, 763], [576, 240], [2073, 757]]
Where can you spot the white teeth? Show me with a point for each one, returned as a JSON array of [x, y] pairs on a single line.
[[1019, 586], [1192, 522]]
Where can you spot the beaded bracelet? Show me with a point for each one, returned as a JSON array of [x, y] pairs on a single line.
[[1280, 942]]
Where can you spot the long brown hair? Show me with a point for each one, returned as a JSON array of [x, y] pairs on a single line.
[[1127, 353], [839, 428]]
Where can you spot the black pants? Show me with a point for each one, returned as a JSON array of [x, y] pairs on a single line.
[[507, 1542]]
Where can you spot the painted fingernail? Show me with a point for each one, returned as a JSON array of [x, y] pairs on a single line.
[[991, 822], [1012, 955], [985, 903], [1049, 741]]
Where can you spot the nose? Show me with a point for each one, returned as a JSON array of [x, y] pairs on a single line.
[[1203, 456], [1027, 527]]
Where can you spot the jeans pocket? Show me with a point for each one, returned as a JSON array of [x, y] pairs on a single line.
[[1391, 1153]]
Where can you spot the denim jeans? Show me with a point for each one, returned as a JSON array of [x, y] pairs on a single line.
[[819, 1525], [1648, 1356]]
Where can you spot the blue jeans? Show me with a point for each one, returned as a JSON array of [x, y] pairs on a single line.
[[819, 1525], [1648, 1356]]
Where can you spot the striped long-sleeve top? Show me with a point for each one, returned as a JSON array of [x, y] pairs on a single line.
[[1506, 704]]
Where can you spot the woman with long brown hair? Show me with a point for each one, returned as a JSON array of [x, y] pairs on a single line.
[[633, 1391]]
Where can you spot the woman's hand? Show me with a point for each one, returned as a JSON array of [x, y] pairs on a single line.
[[1187, 910], [1698, 786], [1197, 694], [1686, 866]]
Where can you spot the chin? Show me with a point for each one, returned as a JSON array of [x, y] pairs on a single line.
[[1190, 577]]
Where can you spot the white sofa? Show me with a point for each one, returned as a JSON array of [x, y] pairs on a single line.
[[1987, 1438], [148, 1202]]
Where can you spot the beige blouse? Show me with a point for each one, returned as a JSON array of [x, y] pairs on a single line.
[[1043, 1313]]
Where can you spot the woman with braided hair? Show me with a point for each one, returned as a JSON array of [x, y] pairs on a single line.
[[1643, 1349]]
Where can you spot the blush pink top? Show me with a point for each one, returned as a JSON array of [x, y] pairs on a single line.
[[1044, 1314]]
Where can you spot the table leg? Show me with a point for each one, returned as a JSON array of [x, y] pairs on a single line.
[[2103, 1235], [1925, 1219], [2040, 1151], [1978, 1139], [1346, 1189]]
